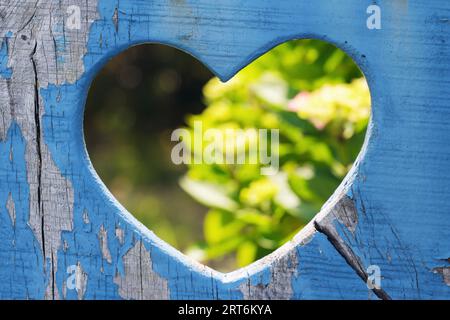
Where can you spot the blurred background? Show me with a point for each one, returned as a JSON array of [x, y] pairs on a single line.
[[226, 216]]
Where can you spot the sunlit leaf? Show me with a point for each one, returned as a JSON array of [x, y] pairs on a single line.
[[246, 253], [208, 194], [220, 226]]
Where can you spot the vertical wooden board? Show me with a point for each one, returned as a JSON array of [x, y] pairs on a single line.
[[401, 187], [76, 242]]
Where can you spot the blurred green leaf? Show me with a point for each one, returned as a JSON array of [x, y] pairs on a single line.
[[246, 253], [220, 226], [208, 194]]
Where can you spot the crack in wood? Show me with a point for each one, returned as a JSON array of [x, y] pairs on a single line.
[[342, 209]]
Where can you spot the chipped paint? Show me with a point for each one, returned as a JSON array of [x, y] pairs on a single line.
[[103, 239], [11, 207], [279, 286], [445, 273], [81, 279], [139, 280], [346, 213], [115, 19], [35, 60], [85, 217], [21, 265], [342, 209], [120, 235], [45, 72]]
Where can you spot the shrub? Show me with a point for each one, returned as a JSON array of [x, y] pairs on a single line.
[[317, 98]]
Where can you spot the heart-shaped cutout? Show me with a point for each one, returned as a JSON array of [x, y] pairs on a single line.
[[309, 92]]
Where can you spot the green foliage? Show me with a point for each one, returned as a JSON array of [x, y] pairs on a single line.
[[317, 98]]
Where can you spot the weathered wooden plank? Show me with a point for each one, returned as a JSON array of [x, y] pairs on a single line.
[[63, 236]]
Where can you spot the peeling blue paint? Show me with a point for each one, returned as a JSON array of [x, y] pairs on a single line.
[[402, 176], [21, 261]]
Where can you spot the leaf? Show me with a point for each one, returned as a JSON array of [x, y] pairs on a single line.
[[271, 89], [246, 253], [285, 196], [254, 217], [223, 248], [208, 194], [220, 226]]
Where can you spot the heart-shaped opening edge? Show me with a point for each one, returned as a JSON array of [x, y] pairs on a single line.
[[304, 235]]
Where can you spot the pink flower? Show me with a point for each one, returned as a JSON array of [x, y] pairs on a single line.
[[298, 101]]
